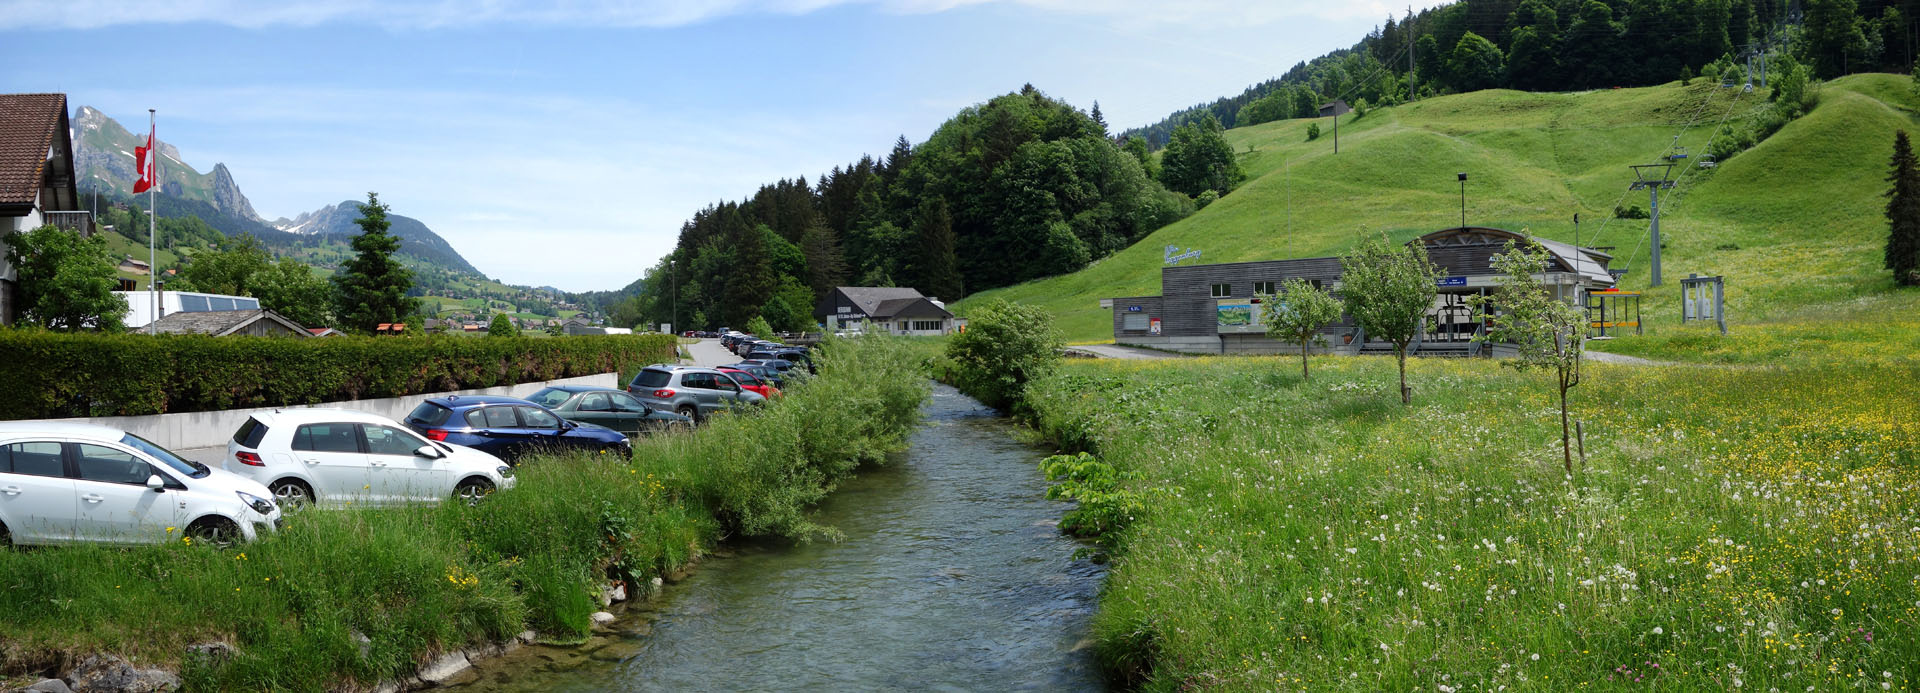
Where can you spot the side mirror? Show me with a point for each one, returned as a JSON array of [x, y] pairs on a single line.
[[429, 452], [156, 483]]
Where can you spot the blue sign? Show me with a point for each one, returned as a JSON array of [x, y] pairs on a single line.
[[1450, 281], [1133, 309]]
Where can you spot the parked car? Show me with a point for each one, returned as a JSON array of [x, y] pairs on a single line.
[[80, 483], [766, 373], [751, 382], [781, 365], [691, 391], [340, 455], [605, 406], [509, 428]]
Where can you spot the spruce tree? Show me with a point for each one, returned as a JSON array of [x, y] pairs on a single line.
[[1903, 213], [371, 288], [937, 269], [1099, 119]]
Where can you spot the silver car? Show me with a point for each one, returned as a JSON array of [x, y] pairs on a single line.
[[689, 391]]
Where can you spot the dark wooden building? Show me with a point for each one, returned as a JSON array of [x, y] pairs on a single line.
[[1214, 309]]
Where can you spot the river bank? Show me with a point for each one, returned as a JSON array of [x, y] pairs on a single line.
[[952, 576], [1729, 528], [350, 599]]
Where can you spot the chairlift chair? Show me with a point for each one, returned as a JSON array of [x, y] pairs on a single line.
[[1678, 154]]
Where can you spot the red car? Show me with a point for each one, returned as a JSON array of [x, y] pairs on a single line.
[[752, 382]]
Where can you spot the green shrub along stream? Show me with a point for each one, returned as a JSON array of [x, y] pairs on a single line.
[[50, 375], [418, 581]]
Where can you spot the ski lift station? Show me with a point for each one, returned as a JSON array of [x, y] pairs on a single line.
[[1214, 309]]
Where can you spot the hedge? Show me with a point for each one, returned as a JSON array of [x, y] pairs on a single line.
[[55, 375]]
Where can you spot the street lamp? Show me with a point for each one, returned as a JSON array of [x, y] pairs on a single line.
[[1463, 200]]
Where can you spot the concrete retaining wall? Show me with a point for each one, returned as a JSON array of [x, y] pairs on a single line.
[[202, 429]]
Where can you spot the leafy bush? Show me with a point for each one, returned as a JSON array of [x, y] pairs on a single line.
[[1313, 131], [1104, 506], [1629, 212], [1005, 346], [758, 327], [55, 375], [1206, 198], [502, 326]]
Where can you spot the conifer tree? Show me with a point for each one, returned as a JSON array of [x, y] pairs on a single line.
[[1098, 119], [937, 269], [371, 288], [1903, 213]]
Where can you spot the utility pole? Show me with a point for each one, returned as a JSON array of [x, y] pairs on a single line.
[[1413, 78], [1463, 200], [1336, 126], [1644, 180]]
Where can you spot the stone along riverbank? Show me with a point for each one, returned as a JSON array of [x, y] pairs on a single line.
[[951, 576]]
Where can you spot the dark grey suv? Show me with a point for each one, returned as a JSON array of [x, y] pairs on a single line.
[[689, 391]]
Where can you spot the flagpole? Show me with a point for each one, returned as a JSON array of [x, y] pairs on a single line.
[[153, 214]]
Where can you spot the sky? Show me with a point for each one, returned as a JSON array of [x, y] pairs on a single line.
[[563, 143]]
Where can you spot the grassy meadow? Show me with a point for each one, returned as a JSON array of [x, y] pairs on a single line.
[[1732, 528], [1794, 224], [419, 581]]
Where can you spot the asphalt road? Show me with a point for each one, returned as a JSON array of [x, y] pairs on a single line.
[[709, 353]]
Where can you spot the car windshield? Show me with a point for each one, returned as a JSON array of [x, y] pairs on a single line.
[[550, 397], [192, 469]]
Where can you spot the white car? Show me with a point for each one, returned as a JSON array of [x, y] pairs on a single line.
[[66, 483], [336, 456]]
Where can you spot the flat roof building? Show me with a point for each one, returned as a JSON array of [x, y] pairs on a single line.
[[1213, 309]]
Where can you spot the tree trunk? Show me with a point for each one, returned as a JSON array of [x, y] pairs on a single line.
[[1566, 446], [1303, 361], [1406, 395]]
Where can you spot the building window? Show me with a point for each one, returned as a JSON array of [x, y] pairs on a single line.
[[1263, 288], [926, 325], [1222, 290], [1134, 322], [846, 309]]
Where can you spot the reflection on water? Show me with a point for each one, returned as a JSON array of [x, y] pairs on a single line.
[[952, 577]]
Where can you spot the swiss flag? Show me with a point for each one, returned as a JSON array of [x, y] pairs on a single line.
[[143, 159]]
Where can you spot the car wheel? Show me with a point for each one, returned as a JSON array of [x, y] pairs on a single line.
[[216, 531], [690, 412], [6, 536], [473, 490], [291, 493]]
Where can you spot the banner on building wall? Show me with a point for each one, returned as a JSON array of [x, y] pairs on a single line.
[[1237, 315], [1153, 326]]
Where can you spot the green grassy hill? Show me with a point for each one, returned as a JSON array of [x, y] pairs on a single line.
[[1795, 224]]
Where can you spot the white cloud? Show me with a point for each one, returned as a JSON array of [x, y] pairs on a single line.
[[433, 14]]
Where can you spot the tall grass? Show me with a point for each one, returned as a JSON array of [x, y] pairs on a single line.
[[1733, 528], [417, 581]]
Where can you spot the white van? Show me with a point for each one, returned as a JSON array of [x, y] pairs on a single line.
[[70, 483]]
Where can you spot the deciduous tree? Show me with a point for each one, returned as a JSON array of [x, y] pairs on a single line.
[[1548, 333], [1389, 289], [1006, 345], [65, 281], [290, 288], [502, 326], [1297, 313]]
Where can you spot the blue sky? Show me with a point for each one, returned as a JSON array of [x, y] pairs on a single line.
[[563, 143]]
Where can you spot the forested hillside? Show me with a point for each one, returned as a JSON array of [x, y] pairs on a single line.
[[1021, 187], [1569, 45]]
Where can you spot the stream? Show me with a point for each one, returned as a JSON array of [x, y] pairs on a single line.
[[952, 577]]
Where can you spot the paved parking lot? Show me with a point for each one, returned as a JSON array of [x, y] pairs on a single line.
[[708, 352]]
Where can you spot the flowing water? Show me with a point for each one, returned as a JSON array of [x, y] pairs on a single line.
[[952, 577]]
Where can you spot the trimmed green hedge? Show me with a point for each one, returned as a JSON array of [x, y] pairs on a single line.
[[52, 375]]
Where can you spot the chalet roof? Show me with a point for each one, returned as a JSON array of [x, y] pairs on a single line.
[[30, 126], [869, 298], [220, 323], [920, 307]]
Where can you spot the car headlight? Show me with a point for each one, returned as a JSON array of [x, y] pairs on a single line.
[[504, 471], [259, 505]]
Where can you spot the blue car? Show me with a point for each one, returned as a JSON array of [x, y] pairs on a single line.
[[507, 427]]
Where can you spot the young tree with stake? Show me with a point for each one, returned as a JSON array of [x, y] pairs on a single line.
[[1389, 290], [1549, 333], [1297, 313]]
